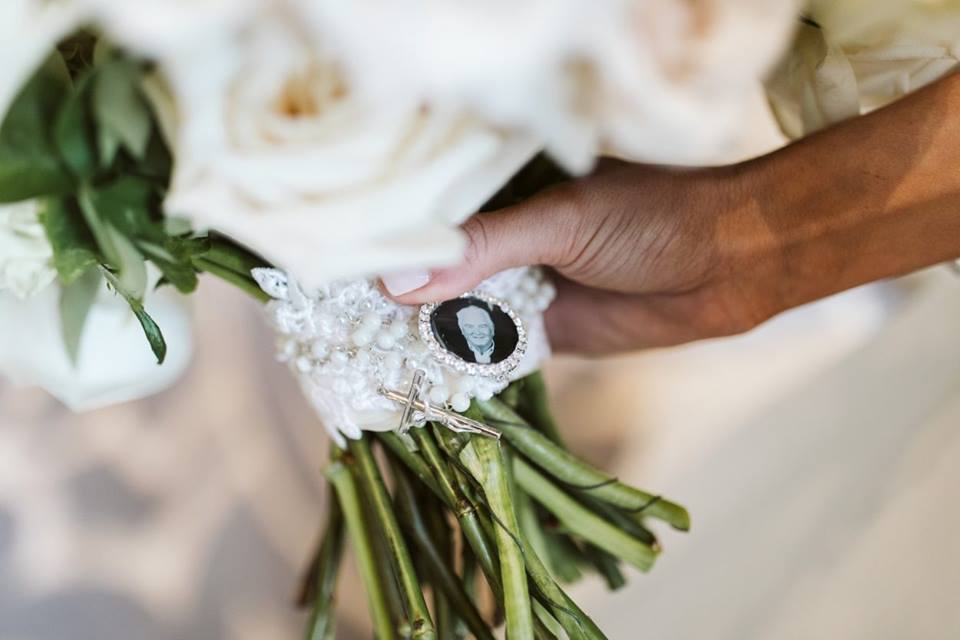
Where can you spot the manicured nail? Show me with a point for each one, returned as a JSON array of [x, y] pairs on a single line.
[[403, 282]]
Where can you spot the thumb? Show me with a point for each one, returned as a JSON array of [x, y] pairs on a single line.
[[534, 232]]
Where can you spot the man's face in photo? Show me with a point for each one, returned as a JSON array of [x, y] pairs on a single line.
[[476, 325]]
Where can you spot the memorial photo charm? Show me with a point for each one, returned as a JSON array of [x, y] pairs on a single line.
[[475, 334]]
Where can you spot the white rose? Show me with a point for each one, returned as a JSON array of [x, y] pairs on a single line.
[[161, 28], [673, 77], [29, 31], [25, 253], [274, 148], [114, 365], [661, 80], [856, 55]]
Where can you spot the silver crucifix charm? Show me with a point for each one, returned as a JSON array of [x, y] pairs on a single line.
[[417, 410]]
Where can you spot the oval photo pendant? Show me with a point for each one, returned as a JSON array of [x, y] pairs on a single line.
[[474, 334]]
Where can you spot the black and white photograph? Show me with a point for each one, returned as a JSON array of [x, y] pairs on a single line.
[[474, 330]]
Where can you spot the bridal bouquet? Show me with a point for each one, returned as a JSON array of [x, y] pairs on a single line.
[[298, 148]]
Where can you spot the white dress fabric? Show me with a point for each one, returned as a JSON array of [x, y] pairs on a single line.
[[851, 56]]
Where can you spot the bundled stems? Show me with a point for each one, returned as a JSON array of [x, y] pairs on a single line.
[[452, 493], [517, 503], [372, 482], [444, 580]]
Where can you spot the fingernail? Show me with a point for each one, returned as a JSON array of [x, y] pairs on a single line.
[[403, 282]]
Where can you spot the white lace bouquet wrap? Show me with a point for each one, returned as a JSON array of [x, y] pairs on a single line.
[[346, 340]]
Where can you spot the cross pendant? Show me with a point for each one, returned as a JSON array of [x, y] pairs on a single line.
[[417, 410]]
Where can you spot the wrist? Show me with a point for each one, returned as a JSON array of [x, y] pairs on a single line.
[[750, 278]]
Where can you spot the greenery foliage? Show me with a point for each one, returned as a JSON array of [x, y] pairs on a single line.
[[82, 140]]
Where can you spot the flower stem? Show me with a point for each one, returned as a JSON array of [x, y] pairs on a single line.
[[485, 460], [574, 621], [229, 254], [445, 581], [534, 405], [461, 505], [324, 574], [376, 491], [581, 521], [574, 472], [245, 283], [346, 489], [414, 461], [391, 590], [558, 550], [468, 577], [429, 466], [545, 626], [606, 565]]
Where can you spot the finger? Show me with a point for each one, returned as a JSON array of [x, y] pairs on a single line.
[[539, 231]]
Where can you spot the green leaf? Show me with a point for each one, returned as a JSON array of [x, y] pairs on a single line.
[[74, 249], [76, 300], [128, 204], [132, 269], [157, 163], [29, 163], [118, 215], [150, 329], [130, 207], [175, 260], [89, 205], [77, 51], [109, 144], [176, 225], [157, 344], [73, 131], [122, 115]]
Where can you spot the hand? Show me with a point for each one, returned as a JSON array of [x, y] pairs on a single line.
[[638, 255], [647, 256]]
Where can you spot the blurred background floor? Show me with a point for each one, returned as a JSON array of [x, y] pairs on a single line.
[[819, 456]]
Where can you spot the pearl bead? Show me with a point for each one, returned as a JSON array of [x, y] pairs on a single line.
[[393, 361], [417, 349], [460, 402], [339, 357], [398, 329], [303, 364], [465, 385], [371, 321], [439, 394], [484, 393], [362, 359], [362, 338], [543, 300], [319, 350], [385, 340]]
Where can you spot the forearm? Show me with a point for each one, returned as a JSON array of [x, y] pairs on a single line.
[[874, 197]]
